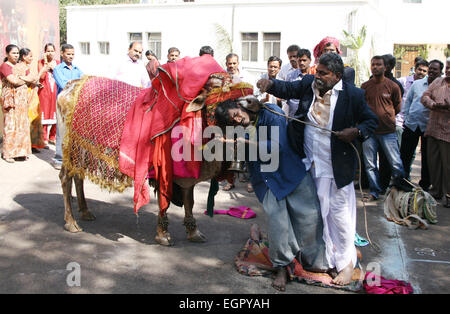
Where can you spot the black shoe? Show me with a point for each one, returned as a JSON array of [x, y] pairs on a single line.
[[35, 150], [402, 184]]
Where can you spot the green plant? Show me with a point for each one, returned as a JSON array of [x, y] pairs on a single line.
[[424, 51], [355, 43]]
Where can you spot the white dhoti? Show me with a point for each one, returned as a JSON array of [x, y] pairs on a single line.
[[338, 208]]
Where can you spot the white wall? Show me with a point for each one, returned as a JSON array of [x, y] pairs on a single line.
[[189, 26]]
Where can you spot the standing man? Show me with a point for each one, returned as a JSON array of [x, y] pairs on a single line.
[[420, 71], [206, 50], [385, 172], [273, 69], [237, 74], [384, 98], [131, 70], [292, 53], [63, 73], [304, 68], [173, 54], [288, 194], [330, 102], [415, 124], [332, 45], [437, 99], [152, 64]]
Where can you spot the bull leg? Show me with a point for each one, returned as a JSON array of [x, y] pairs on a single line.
[[86, 215], [162, 230], [66, 184], [193, 233]]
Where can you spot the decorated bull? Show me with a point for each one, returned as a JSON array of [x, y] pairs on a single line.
[[120, 136]]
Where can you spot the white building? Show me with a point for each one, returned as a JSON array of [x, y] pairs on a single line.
[[254, 29]]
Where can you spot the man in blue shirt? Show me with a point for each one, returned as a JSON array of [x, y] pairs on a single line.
[[288, 194], [64, 73], [415, 123]]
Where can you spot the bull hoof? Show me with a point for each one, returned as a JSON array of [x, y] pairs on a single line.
[[196, 236], [87, 216], [73, 227], [164, 240]]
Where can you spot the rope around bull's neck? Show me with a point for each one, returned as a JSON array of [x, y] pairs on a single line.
[[375, 246]]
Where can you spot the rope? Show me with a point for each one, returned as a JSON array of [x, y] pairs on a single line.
[[374, 245]]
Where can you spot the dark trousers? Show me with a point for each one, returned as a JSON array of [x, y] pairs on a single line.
[[410, 139], [439, 166]]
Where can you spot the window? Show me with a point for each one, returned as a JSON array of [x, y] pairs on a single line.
[[134, 37], [103, 47], [85, 48], [250, 47], [154, 43], [271, 45]]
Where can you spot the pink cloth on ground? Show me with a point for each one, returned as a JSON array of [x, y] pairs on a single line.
[[242, 212], [386, 286]]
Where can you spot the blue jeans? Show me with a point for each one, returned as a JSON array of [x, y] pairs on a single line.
[[389, 144]]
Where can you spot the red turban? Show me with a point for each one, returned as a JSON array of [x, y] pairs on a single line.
[[318, 50]]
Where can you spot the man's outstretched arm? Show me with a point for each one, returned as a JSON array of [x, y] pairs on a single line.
[[281, 89]]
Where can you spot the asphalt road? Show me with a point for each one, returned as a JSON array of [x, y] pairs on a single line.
[[117, 253]]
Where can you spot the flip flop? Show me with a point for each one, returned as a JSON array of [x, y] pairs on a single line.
[[360, 241]]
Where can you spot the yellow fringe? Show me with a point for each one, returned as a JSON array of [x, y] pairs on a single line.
[[115, 185]]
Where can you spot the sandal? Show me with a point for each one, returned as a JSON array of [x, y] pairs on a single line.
[[10, 160], [370, 198], [229, 186], [250, 188]]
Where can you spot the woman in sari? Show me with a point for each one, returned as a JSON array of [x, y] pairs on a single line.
[[47, 94], [14, 102], [22, 68]]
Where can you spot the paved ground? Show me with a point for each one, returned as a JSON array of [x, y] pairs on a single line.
[[117, 253]]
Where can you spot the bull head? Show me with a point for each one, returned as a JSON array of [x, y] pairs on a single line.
[[250, 103]]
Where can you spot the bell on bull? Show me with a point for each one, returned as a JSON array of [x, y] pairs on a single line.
[[236, 165]]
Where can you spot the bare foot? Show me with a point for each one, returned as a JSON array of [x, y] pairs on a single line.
[[345, 276], [279, 283]]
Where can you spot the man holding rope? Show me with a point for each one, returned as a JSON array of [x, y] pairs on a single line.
[[334, 113]]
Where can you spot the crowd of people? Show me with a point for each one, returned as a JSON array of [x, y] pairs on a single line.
[[386, 118], [28, 100]]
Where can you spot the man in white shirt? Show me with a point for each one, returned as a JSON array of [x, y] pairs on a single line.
[[273, 69], [131, 70], [238, 75], [292, 53], [173, 54]]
